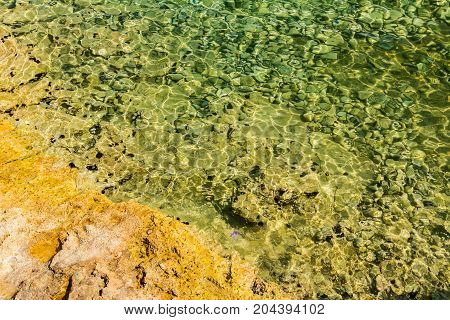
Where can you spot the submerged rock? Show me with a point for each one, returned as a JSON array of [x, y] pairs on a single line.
[[61, 239]]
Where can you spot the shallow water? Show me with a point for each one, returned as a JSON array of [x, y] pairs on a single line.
[[310, 136]]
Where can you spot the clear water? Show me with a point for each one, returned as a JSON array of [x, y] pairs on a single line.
[[310, 136]]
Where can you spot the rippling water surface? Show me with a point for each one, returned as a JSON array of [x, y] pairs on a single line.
[[310, 136]]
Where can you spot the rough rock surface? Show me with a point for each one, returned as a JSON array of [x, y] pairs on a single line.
[[60, 239]]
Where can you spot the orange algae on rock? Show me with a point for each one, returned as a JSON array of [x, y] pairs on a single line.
[[61, 239], [45, 245]]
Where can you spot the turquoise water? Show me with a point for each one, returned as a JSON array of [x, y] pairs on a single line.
[[310, 136]]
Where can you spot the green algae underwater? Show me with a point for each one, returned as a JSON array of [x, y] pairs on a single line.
[[309, 136]]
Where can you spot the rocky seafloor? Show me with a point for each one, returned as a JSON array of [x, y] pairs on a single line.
[[308, 139]]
